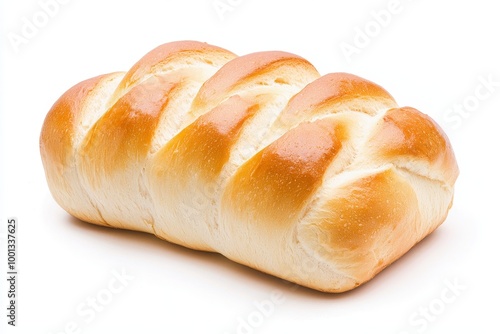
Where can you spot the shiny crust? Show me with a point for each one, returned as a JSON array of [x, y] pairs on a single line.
[[320, 180], [336, 92], [276, 183], [409, 135], [365, 225], [168, 55]]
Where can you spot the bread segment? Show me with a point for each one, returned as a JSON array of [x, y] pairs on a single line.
[[63, 131]]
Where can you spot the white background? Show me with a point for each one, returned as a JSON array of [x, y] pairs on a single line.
[[431, 55]]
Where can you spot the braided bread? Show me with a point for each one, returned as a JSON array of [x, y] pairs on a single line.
[[319, 180]]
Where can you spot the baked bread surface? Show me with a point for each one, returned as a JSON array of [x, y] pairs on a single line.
[[319, 180]]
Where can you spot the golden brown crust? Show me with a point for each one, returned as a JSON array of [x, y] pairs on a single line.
[[336, 92], [253, 67], [361, 215], [56, 138], [59, 138], [124, 134], [205, 145], [169, 52], [407, 133], [275, 184]]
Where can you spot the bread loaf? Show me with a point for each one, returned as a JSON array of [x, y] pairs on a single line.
[[319, 180]]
